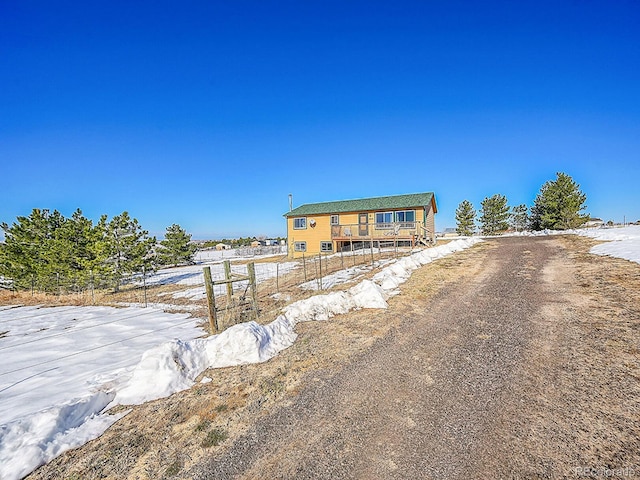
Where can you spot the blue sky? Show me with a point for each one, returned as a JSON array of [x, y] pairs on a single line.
[[209, 114]]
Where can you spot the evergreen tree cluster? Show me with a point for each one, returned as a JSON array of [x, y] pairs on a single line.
[[45, 247], [558, 206]]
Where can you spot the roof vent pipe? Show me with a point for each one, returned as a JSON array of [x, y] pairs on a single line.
[[290, 202]]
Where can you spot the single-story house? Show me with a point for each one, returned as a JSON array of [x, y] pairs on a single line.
[[342, 225], [449, 233], [594, 222]]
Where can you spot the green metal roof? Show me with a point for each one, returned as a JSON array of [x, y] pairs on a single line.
[[363, 204]]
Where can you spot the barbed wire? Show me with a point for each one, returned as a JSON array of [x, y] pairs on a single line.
[[76, 330], [95, 348]]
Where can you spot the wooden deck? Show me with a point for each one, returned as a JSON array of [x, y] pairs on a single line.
[[411, 232]]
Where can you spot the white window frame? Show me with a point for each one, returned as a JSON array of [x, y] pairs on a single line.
[[300, 220], [324, 245], [335, 219], [405, 223], [387, 220], [300, 246]]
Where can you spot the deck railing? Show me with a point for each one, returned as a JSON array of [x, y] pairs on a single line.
[[378, 231]]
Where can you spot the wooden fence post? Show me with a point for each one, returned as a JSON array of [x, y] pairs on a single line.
[[251, 270], [211, 300]]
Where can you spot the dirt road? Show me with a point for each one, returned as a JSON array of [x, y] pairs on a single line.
[[526, 367]]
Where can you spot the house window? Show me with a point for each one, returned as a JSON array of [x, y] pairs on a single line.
[[326, 246], [335, 219], [406, 218], [300, 246], [300, 223], [384, 219]]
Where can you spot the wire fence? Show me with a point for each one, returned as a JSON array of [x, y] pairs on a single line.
[[279, 280], [83, 289], [285, 280]]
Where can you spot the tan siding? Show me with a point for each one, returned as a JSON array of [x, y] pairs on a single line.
[[312, 235], [431, 222]]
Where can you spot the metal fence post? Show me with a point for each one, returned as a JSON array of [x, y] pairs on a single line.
[[227, 276], [144, 285], [304, 267], [91, 286]]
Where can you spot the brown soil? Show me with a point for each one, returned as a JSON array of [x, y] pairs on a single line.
[[517, 358]]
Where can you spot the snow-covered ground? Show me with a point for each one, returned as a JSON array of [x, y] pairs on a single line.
[[65, 367], [621, 242], [61, 366]]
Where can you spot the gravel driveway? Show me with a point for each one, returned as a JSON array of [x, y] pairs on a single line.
[[482, 382]]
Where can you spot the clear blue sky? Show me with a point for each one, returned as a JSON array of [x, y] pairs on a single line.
[[208, 114]]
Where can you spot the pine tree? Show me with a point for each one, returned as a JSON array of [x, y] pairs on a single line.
[[67, 251], [23, 253], [128, 247], [176, 248], [558, 205], [494, 215], [465, 218], [519, 218]]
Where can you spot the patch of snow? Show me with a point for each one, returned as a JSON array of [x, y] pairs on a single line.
[[622, 242], [343, 276], [36, 439], [52, 355]]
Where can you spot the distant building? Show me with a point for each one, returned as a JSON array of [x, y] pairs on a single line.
[[223, 246], [449, 233], [594, 222]]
